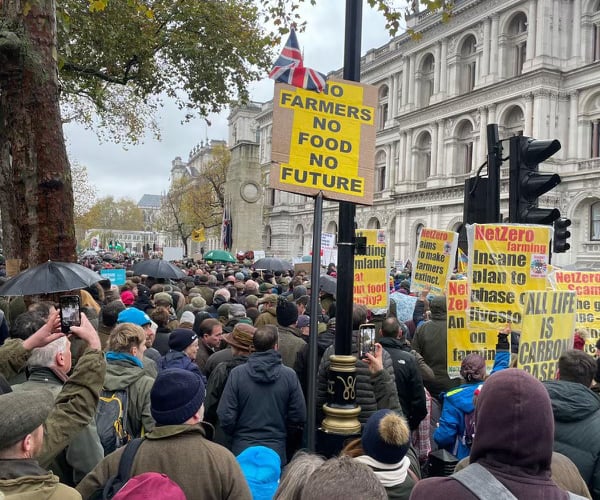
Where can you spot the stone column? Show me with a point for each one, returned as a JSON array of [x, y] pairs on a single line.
[[406, 81], [483, 121], [485, 61], [573, 124], [531, 30], [439, 170], [408, 157], [528, 127], [412, 84], [576, 33], [434, 150], [437, 69], [402, 158], [444, 67], [494, 62]]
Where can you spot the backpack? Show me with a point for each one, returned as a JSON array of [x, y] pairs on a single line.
[[111, 419]]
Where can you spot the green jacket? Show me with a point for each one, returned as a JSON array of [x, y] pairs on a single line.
[[84, 450], [204, 470], [124, 374], [26, 480], [76, 403]]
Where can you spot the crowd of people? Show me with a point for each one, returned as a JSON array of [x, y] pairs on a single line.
[[209, 377]]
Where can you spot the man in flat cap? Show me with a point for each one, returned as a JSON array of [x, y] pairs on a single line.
[[22, 415]]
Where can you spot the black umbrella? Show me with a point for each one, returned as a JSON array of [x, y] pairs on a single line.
[[50, 277], [272, 264], [158, 268], [327, 284]]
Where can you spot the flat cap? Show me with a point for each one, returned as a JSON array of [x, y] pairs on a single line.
[[22, 412]]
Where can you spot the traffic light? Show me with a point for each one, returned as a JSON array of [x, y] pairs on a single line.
[[527, 184], [561, 235], [476, 206]]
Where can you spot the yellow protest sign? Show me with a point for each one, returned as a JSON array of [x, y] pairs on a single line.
[[505, 261], [586, 284], [463, 340], [198, 235], [325, 141], [546, 331], [434, 260], [370, 271]]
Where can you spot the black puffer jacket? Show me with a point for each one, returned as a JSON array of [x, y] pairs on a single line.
[[373, 392], [576, 412]]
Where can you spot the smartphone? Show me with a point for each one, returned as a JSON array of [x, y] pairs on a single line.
[[70, 314], [366, 339]]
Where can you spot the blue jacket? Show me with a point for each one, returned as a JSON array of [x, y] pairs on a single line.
[[177, 359], [457, 403]]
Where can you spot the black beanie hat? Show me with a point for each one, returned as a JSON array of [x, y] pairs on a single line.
[[287, 312], [180, 338], [386, 437], [176, 396]]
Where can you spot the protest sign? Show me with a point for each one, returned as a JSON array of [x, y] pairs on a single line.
[[434, 260], [462, 339], [370, 271], [586, 284], [546, 331], [505, 261]]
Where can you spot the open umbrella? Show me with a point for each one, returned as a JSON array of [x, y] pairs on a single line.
[[158, 268], [272, 264], [327, 284], [219, 256], [50, 277]]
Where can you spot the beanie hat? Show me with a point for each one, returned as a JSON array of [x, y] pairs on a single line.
[[251, 301], [287, 313], [135, 316], [198, 302], [473, 367], [176, 396], [299, 291], [239, 276], [127, 297], [237, 310], [163, 297], [224, 310], [386, 437], [187, 317], [180, 338], [21, 413], [261, 467], [303, 320]]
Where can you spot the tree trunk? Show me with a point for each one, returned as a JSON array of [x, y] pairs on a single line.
[[36, 199]]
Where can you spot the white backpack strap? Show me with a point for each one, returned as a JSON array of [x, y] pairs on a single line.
[[482, 483]]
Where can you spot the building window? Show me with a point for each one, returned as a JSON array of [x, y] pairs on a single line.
[[595, 144], [468, 61], [427, 75], [383, 106], [517, 44], [380, 172], [423, 157], [595, 218], [514, 122]]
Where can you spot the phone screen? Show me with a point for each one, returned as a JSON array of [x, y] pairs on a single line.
[[366, 339], [69, 312]]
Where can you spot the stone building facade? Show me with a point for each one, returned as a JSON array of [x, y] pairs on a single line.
[[531, 66]]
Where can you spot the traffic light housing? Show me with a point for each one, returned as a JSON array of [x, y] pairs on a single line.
[[527, 184], [476, 206], [561, 235]]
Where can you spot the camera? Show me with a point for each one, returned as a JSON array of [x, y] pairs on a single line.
[[70, 314]]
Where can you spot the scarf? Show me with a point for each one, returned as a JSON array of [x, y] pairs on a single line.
[[120, 356], [388, 474]]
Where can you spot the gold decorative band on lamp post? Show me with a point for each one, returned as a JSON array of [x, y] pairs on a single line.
[[341, 411]]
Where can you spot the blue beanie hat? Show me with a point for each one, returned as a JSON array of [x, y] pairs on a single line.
[[386, 437], [261, 467], [180, 338], [176, 396]]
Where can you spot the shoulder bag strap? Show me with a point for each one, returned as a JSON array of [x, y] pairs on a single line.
[[482, 483]]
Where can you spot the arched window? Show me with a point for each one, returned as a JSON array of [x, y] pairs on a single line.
[[373, 223], [427, 75], [299, 243], [464, 162], [417, 234], [468, 64], [380, 172], [383, 106], [595, 221], [514, 122], [594, 14], [517, 44], [423, 152]]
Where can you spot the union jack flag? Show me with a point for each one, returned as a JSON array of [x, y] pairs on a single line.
[[289, 68]]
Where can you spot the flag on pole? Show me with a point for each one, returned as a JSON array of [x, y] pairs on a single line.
[[289, 68], [226, 228], [463, 262]]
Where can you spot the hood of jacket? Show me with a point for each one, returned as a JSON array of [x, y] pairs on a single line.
[[264, 367], [437, 306], [27, 480], [462, 397], [571, 401], [120, 374], [514, 425]]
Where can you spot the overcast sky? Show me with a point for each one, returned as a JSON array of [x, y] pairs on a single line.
[[136, 170]]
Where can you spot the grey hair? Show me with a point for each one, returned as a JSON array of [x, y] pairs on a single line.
[[46, 356], [296, 474]]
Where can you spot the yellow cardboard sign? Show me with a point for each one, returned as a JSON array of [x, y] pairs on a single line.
[[325, 141], [505, 262], [370, 271], [463, 340], [434, 260], [198, 235], [547, 331], [586, 284]]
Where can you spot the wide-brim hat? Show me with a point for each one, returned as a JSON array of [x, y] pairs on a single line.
[[241, 337]]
